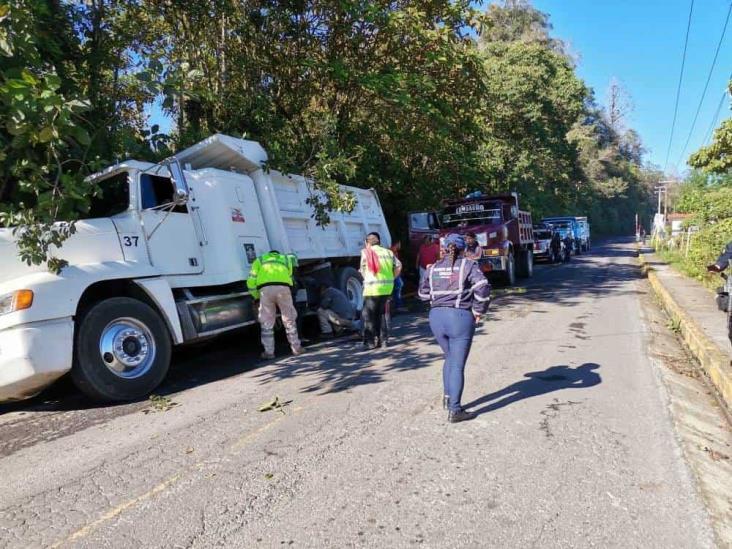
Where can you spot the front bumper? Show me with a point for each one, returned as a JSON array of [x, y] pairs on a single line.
[[33, 355], [494, 263]]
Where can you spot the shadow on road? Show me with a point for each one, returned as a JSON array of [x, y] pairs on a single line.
[[605, 271], [552, 379], [344, 364], [341, 364]]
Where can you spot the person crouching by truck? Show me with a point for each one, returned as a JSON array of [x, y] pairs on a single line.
[[270, 281], [379, 268], [459, 295], [335, 312]]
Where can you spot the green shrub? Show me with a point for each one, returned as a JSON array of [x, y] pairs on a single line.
[[704, 248]]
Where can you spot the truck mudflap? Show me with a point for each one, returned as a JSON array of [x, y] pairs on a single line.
[[32, 356]]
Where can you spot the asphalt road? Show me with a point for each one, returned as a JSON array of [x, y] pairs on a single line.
[[574, 445]]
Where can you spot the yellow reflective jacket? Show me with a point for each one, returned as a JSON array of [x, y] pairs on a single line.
[[271, 269], [381, 283]]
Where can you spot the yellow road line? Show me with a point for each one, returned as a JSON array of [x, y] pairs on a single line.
[[116, 511], [238, 445]]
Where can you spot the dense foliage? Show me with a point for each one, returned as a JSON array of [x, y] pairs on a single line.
[[421, 100]]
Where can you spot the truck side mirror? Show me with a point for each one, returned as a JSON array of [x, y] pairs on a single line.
[[180, 196]]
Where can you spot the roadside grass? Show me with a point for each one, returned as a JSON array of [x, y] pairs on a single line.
[[688, 268]]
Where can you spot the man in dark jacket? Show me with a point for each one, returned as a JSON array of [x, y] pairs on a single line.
[[335, 311], [722, 261]]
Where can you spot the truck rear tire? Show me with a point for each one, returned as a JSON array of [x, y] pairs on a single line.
[[349, 281], [122, 350], [525, 264]]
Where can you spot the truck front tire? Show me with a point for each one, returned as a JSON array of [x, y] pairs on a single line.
[[122, 350], [526, 264], [509, 276]]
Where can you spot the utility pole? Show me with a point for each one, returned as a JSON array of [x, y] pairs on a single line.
[[658, 191], [662, 188]]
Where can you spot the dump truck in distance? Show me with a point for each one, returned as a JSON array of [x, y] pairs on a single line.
[[163, 261], [503, 231]]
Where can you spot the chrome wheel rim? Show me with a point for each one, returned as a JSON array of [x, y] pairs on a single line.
[[127, 348]]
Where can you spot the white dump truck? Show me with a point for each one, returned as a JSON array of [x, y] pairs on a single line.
[[162, 261]]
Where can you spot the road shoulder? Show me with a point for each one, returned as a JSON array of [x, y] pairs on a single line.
[[695, 316], [700, 420]]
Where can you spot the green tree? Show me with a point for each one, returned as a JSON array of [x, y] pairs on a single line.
[[43, 138], [717, 157]]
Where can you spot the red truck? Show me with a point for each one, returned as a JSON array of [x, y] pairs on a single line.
[[504, 232]]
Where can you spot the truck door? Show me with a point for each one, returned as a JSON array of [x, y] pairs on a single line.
[[421, 224], [174, 246]]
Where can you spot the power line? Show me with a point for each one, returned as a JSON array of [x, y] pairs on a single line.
[[706, 85], [678, 88], [710, 131]]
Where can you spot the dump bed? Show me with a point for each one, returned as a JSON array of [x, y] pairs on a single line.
[[283, 200], [294, 228]]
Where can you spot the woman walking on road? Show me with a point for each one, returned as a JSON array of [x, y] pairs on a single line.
[[459, 295]]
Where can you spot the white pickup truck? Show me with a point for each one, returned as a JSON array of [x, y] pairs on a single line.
[[162, 261]]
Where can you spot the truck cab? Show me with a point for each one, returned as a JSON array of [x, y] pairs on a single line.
[[503, 231], [577, 228]]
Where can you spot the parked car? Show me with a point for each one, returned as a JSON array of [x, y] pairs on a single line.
[[542, 242]]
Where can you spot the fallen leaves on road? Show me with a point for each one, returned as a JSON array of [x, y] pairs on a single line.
[[160, 403], [274, 404]]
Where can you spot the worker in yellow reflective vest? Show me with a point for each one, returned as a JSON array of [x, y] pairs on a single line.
[[270, 281], [379, 268]]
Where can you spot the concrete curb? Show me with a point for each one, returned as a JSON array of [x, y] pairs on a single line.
[[715, 361]]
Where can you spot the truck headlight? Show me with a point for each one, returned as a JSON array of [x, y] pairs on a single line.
[[16, 301]]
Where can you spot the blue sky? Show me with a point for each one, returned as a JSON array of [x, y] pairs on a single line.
[[640, 42]]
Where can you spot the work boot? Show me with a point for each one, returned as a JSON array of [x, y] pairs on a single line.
[[297, 351], [267, 356], [460, 415]]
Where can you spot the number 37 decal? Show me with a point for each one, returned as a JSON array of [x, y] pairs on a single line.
[[130, 241]]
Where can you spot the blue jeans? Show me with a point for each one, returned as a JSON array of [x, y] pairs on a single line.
[[453, 329], [397, 294]]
